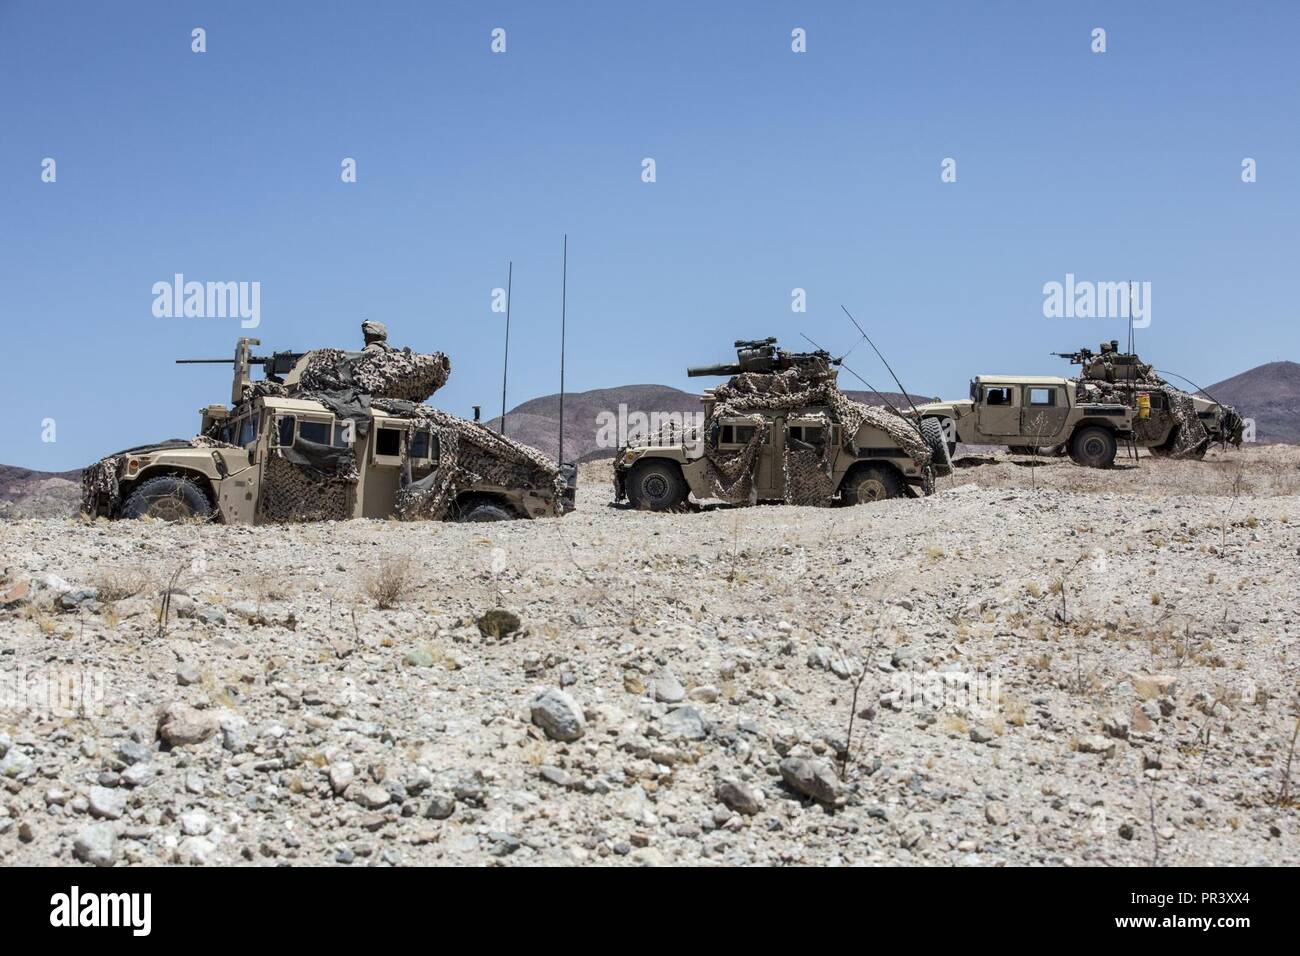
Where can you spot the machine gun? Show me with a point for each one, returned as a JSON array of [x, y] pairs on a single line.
[[276, 365], [1109, 365], [762, 355], [1076, 358]]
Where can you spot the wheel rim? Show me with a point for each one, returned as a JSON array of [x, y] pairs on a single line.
[[871, 489], [1094, 447], [168, 509], [655, 487]]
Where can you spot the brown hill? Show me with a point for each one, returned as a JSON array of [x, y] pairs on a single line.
[[591, 419], [25, 493], [1269, 394]]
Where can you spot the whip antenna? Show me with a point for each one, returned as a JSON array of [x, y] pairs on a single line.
[[505, 368], [906, 394], [564, 298]]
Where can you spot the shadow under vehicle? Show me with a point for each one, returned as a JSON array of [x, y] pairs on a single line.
[[780, 430], [331, 435]]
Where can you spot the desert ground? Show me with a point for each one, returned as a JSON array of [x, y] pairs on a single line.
[[1037, 665]]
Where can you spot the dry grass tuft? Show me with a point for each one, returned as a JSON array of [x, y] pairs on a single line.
[[116, 585], [390, 582]]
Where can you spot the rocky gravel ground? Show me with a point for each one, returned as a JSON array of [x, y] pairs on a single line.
[[1034, 666]]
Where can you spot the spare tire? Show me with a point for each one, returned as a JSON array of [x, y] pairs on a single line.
[[940, 457]]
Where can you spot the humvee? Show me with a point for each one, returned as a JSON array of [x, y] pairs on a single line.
[[1034, 412], [781, 431], [282, 452], [1170, 421]]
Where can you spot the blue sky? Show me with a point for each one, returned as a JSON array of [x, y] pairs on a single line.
[[775, 171]]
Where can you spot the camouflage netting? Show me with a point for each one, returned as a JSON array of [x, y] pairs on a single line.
[[100, 479], [807, 469], [291, 493], [380, 372], [1188, 436], [103, 478], [314, 483], [469, 453]]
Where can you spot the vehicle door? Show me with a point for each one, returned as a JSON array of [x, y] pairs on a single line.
[[735, 435], [383, 472], [1043, 413], [998, 410], [237, 494]]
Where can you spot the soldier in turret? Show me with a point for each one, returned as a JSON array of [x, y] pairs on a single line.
[[376, 336]]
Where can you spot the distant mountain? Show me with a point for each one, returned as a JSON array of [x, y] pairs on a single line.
[[591, 418], [1270, 394], [25, 493]]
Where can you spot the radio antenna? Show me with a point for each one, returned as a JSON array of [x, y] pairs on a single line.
[[505, 367], [564, 298], [840, 362], [906, 394]]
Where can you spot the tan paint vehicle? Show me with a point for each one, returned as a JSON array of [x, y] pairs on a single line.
[[1034, 412], [224, 473], [863, 465], [1176, 422]]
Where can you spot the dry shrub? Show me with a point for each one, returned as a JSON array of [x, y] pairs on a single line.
[[117, 585], [392, 580]]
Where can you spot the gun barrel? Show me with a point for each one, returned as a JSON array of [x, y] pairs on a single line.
[[252, 360], [700, 370]]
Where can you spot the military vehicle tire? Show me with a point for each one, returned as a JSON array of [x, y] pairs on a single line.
[[168, 498], [1093, 447], [871, 484], [484, 511], [656, 486], [940, 454]]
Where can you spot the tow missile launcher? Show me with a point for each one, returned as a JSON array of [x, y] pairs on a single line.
[[780, 430], [762, 355]]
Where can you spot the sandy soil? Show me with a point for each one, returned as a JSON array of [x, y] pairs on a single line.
[[1051, 666]]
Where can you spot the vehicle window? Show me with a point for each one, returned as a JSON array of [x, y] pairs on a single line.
[[424, 445], [248, 430], [811, 434], [317, 433], [285, 434], [343, 434], [997, 395], [388, 441], [1042, 396], [744, 434]]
